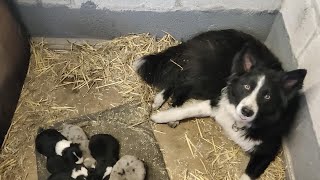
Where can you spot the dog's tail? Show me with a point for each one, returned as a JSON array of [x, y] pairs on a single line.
[[162, 68]]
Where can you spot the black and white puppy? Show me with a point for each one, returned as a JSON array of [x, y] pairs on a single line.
[[79, 173], [57, 164], [76, 134], [242, 85], [105, 149], [50, 143]]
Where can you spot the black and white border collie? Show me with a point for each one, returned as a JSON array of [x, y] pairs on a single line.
[[241, 84]]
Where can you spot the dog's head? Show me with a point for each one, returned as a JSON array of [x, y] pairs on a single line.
[[257, 90], [73, 154]]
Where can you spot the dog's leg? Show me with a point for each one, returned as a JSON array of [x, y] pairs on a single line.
[[200, 109], [180, 95], [161, 98], [259, 161]]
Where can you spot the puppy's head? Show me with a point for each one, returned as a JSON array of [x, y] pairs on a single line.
[[80, 173], [257, 90], [73, 154]]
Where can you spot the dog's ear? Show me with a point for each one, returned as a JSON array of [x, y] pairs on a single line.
[[292, 81], [243, 61]]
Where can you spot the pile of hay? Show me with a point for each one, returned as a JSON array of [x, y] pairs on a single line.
[[89, 70]]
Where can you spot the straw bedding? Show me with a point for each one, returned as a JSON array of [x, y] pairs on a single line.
[[87, 70]]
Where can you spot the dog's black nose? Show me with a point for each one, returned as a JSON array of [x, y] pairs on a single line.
[[247, 111]]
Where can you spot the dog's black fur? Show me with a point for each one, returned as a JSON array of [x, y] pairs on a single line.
[[211, 61]]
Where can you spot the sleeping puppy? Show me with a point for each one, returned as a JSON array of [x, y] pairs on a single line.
[[76, 134], [78, 173], [50, 143], [128, 168], [57, 164], [105, 149]]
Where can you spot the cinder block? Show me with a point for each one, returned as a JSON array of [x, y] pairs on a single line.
[[169, 5], [313, 98], [27, 2], [309, 59], [256, 5], [300, 21], [123, 5], [278, 42], [56, 2]]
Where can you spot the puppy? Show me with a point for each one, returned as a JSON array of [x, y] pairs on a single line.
[[77, 135], [78, 173], [105, 149], [50, 143], [57, 164], [128, 168]]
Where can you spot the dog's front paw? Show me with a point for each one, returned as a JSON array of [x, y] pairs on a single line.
[[245, 177], [158, 100], [157, 103], [158, 117]]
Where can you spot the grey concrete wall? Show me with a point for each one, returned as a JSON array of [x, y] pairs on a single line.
[[295, 38], [164, 5], [111, 18]]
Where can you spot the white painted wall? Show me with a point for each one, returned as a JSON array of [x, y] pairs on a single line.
[[166, 5], [301, 18], [295, 39]]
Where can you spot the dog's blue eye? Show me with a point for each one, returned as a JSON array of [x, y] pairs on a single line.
[[267, 96], [247, 87]]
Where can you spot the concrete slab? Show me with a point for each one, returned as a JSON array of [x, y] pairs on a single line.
[[137, 140], [91, 22]]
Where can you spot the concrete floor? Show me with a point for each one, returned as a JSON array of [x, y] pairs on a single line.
[[172, 142], [195, 149]]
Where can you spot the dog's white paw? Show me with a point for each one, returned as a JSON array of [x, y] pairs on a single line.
[[245, 177], [158, 117], [158, 100], [138, 63], [156, 105]]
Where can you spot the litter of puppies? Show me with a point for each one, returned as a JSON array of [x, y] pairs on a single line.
[[72, 155]]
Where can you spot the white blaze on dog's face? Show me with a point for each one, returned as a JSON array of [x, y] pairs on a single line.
[[248, 107]]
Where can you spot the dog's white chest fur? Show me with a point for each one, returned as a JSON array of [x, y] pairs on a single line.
[[223, 114]]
